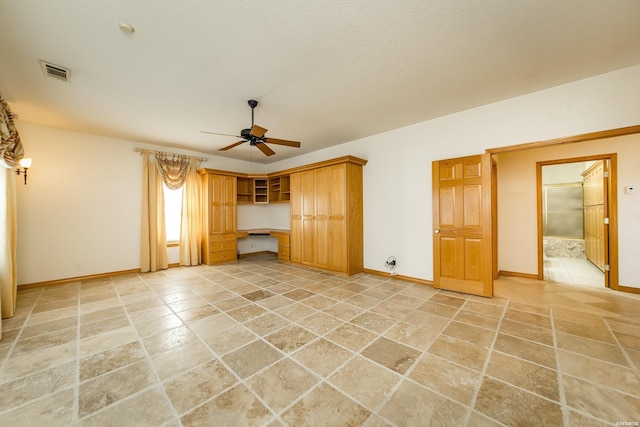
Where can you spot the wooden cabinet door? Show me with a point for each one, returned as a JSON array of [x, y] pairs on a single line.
[[296, 217], [308, 217], [217, 215], [230, 204], [322, 194], [222, 218], [595, 229], [462, 225], [337, 235]]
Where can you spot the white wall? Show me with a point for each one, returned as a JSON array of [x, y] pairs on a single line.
[[397, 179], [517, 207], [80, 212]]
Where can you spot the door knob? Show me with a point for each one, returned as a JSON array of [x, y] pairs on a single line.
[[437, 231]]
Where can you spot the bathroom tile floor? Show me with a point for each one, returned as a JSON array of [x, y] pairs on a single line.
[[576, 271], [263, 343]]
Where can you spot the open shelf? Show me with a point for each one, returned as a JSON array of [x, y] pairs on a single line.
[[244, 193], [261, 191], [279, 189]]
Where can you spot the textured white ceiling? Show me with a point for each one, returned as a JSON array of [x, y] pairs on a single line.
[[325, 72]]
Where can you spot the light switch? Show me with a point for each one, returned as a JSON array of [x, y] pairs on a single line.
[[630, 189]]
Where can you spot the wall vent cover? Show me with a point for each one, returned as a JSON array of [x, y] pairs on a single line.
[[55, 71]]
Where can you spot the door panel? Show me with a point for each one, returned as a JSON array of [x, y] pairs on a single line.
[[308, 218], [338, 218], [462, 223], [322, 192], [296, 217]]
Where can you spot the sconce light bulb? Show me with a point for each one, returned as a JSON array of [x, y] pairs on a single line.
[[25, 163]]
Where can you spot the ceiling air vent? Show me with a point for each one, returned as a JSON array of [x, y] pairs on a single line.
[[55, 71]]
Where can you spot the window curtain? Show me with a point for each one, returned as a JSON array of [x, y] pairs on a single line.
[[153, 240], [191, 219], [11, 151]]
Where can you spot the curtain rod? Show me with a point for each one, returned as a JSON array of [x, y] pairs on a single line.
[[142, 150]]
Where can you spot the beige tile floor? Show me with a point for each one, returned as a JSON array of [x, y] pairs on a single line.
[[262, 343], [576, 271]]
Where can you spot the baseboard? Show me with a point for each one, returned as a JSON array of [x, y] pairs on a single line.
[[629, 289], [398, 276], [80, 278], [87, 277], [516, 274]]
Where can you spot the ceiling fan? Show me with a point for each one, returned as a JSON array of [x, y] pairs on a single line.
[[255, 136]]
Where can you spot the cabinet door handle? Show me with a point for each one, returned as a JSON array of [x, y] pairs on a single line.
[[437, 231]]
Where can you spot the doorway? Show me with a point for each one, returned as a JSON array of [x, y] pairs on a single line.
[[576, 217]]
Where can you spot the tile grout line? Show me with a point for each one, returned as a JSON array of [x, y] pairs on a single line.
[[75, 417], [623, 350], [485, 366], [405, 376], [321, 379], [16, 339], [563, 398], [239, 381]]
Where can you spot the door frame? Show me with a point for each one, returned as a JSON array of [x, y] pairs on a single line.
[[611, 279]]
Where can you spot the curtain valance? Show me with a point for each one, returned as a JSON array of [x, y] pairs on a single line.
[[11, 150], [173, 169]]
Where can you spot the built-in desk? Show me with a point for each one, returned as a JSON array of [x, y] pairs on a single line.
[[280, 234]]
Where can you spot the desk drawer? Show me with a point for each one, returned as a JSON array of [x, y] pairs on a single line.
[[283, 240], [226, 237], [222, 256], [222, 246], [283, 253]]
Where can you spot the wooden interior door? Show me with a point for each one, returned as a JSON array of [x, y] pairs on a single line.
[[462, 225]]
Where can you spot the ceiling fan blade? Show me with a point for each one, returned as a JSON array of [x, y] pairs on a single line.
[[231, 146], [223, 134], [282, 142], [266, 150], [258, 131]]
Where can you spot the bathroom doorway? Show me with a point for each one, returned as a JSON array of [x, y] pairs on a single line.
[[574, 220]]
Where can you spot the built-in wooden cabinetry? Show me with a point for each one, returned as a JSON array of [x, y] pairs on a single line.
[[326, 215], [219, 222], [283, 244], [595, 213], [279, 189], [263, 189], [245, 190], [325, 205]]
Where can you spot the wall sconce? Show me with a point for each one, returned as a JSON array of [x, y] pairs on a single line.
[[25, 163]]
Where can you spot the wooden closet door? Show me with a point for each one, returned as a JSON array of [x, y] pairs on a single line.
[[222, 196], [229, 203], [308, 218], [296, 217], [323, 192], [594, 213], [337, 233]]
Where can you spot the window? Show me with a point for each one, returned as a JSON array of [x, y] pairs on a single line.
[[172, 213]]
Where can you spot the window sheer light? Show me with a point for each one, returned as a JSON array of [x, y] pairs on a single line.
[[172, 213]]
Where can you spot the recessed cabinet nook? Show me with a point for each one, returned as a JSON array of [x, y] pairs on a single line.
[[326, 217]]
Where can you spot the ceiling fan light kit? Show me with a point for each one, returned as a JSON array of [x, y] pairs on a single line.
[[255, 136]]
